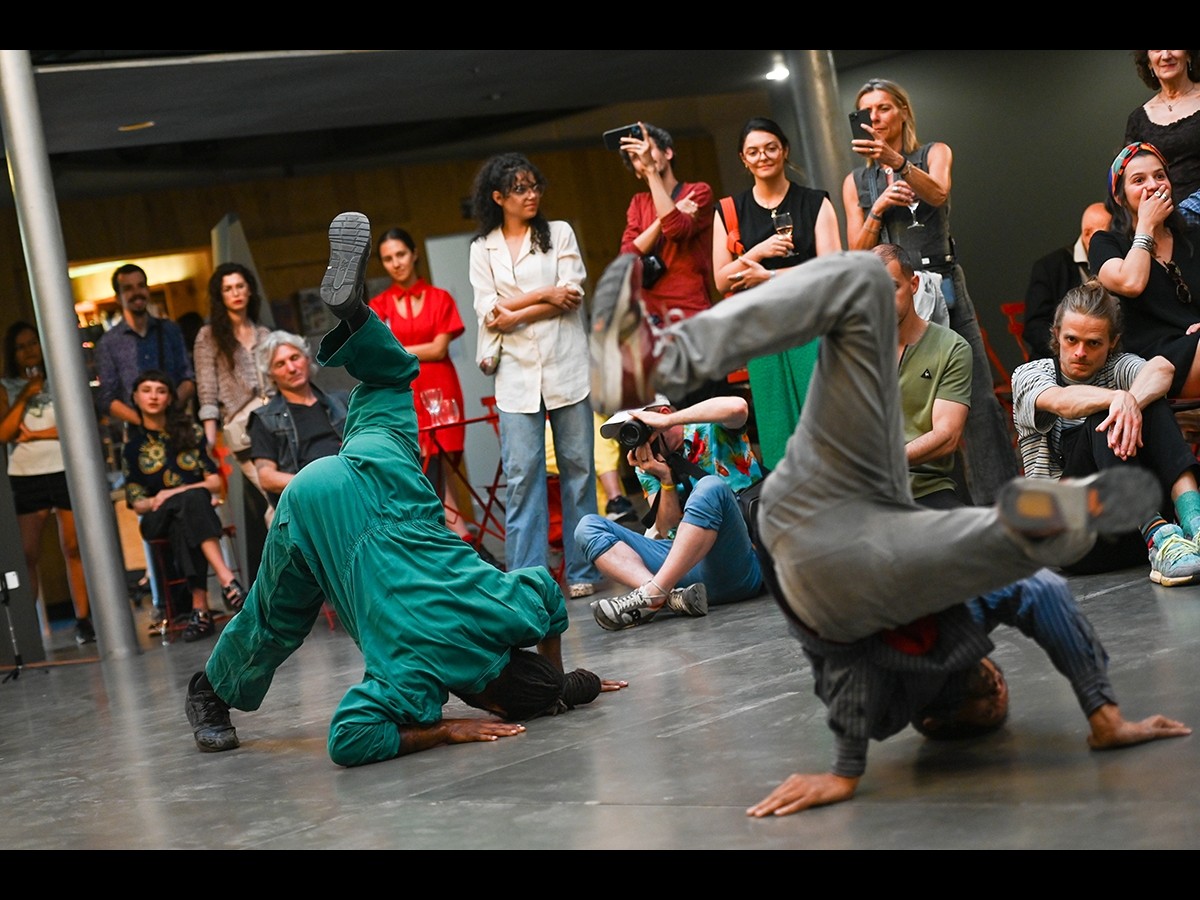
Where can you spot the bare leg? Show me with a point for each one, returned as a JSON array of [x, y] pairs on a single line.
[[620, 563], [211, 549], [1191, 387], [200, 599], [68, 540], [611, 484], [454, 519], [31, 526], [692, 543]]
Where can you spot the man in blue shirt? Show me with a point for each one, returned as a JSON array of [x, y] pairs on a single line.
[[137, 343]]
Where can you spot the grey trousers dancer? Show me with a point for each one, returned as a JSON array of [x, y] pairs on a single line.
[[853, 553]]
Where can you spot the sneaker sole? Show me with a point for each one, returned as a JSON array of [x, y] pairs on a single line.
[[609, 625], [1166, 581], [1109, 502], [604, 345], [349, 247]]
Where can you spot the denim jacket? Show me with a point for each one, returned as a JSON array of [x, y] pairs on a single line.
[[278, 420]]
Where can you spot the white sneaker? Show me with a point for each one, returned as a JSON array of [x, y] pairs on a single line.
[[1174, 560]]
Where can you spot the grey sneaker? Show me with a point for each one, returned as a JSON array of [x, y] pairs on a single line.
[[623, 348], [342, 288], [208, 715], [689, 601], [615, 613], [1110, 502], [1174, 560]]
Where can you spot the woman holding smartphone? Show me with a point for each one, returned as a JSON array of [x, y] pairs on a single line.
[[901, 195], [750, 245], [35, 466], [528, 276]]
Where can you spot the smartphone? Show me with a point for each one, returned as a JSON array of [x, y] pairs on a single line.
[[612, 138], [858, 119]]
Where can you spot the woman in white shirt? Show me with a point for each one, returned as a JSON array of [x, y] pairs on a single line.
[[528, 275]]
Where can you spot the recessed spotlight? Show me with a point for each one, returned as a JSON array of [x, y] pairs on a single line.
[[137, 126], [778, 70]]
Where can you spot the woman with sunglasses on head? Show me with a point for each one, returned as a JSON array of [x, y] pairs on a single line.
[[1151, 260], [36, 470], [750, 247], [170, 482], [901, 195], [528, 273]]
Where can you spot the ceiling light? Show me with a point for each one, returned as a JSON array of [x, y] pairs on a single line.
[[778, 70]]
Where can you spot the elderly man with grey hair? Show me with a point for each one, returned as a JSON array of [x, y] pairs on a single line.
[[300, 423]]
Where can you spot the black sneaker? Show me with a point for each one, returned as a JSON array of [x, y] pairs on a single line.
[[208, 715], [84, 632], [200, 626], [342, 288]]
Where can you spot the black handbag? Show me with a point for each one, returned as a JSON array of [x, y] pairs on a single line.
[[653, 268]]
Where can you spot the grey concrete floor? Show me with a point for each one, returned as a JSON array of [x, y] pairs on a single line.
[[718, 711]]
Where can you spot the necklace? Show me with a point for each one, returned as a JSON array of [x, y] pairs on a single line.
[[1170, 104]]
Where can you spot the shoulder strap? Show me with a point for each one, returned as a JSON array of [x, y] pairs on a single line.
[[733, 234]]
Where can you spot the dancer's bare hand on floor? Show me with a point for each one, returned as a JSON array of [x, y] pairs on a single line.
[[1111, 730], [464, 731], [800, 792]]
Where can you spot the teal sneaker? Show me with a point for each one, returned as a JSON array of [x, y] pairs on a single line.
[[1174, 560]]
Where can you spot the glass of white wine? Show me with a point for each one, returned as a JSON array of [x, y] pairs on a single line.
[[782, 223], [912, 207]]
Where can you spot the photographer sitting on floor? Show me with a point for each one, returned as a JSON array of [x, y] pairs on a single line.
[[691, 463]]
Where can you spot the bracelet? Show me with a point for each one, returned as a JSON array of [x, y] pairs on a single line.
[[872, 215], [1145, 242], [666, 487], [903, 170]]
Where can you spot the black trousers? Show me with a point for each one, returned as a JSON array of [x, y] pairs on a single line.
[[1164, 452]]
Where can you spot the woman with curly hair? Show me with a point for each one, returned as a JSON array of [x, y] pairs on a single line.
[[228, 383], [527, 273]]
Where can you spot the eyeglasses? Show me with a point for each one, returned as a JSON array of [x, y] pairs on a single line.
[[521, 189], [770, 152], [1182, 292]]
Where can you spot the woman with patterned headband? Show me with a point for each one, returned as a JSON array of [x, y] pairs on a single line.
[[1151, 260]]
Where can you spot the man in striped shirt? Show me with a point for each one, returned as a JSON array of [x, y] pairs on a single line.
[[1093, 407]]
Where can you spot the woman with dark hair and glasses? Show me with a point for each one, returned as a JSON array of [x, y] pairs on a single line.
[[1149, 259], [527, 273]]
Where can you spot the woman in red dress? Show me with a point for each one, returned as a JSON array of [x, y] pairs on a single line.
[[425, 320]]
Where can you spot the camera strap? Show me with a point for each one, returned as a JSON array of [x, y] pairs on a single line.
[[683, 470]]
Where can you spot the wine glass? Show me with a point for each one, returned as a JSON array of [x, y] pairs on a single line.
[[782, 223], [432, 400], [450, 412], [912, 207]]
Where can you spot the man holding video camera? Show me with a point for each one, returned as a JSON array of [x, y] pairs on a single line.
[[691, 463]]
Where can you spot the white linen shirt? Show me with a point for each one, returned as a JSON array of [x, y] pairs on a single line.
[[545, 360]]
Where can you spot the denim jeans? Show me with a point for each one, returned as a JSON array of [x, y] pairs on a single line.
[[730, 569], [526, 514]]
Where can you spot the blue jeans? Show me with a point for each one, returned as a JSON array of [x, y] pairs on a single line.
[[526, 514], [729, 571]]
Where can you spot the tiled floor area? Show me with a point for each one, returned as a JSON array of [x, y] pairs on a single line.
[[718, 711]]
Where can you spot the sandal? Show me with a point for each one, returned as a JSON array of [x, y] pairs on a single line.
[[234, 595]]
